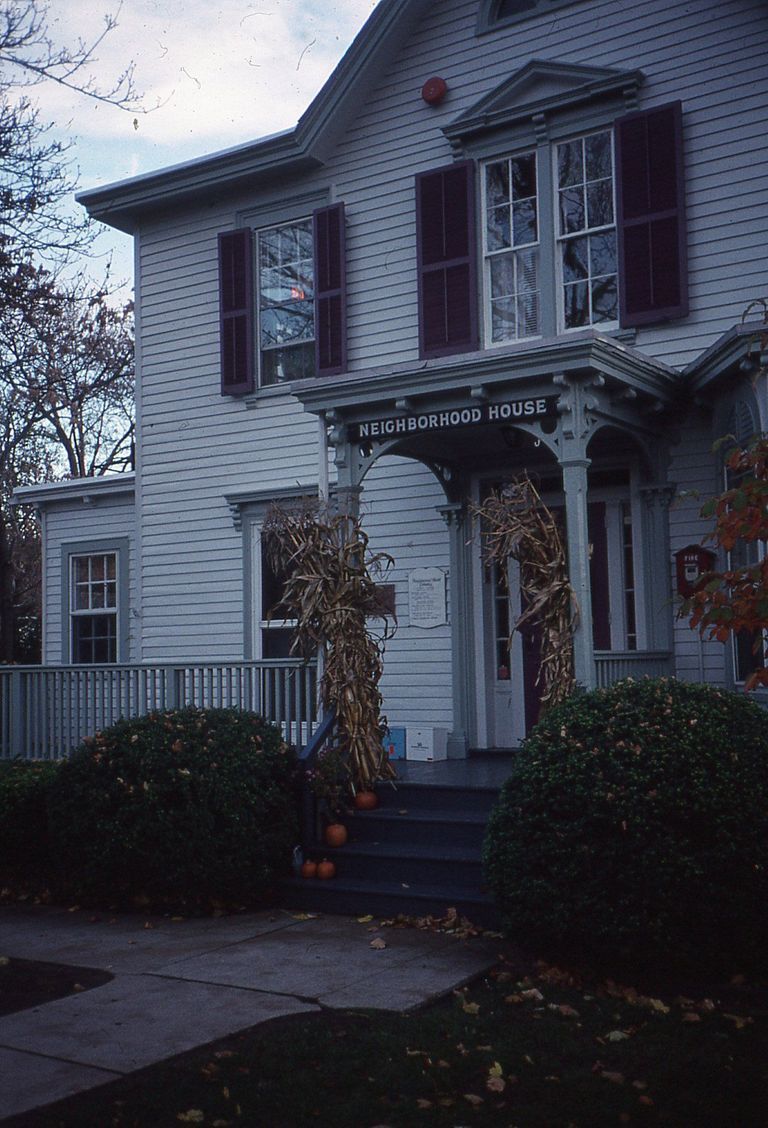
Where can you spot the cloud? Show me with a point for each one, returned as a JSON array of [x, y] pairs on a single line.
[[216, 74]]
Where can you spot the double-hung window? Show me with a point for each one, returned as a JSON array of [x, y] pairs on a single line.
[[286, 302], [580, 287], [586, 231], [512, 249], [93, 607]]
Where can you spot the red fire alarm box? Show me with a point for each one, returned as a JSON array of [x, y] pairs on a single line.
[[691, 563]]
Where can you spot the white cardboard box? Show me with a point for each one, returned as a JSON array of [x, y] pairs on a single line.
[[426, 743]]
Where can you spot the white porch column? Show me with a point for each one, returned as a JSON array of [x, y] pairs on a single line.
[[657, 565], [462, 642], [575, 489]]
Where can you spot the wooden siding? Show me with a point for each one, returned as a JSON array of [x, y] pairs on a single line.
[[74, 522], [417, 678], [695, 471]]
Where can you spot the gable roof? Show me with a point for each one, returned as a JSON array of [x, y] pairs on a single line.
[[305, 146]]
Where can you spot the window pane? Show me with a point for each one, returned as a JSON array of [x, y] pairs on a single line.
[[572, 214], [503, 319], [499, 232], [528, 270], [605, 300], [528, 315], [295, 362], [600, 203], [575, 260], [289, 244], [285, 323], [524, 217], [276, 643], [598, 156], [94, 638], [524, 176], [306, 241], [570, 166], [603, 253], [97, 567], [502, 276], [81, 569], [269, 249], [576, 304], [497, 184]]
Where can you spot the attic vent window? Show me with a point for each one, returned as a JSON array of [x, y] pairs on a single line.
[[493, 12]]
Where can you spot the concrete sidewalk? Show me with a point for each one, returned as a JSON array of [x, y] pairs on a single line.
[[180, 984]]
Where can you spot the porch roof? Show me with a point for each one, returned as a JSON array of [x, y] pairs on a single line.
[[76, 489], [480, 374]]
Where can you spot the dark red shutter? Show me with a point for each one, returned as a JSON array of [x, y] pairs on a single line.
[[236, 302], [445, 230], [651, 216], [330, 290]]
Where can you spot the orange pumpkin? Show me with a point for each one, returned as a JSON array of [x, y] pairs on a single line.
[[335, 834], [366, 800], [309, 869], [326, 870]]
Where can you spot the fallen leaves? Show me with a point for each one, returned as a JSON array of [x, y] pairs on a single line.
[[378, 944]]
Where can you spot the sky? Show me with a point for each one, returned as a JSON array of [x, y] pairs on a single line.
[[212, 75]]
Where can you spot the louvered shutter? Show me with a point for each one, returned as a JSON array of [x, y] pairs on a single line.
[[236, 311], [330, 290], [651, 216], [445, 225]]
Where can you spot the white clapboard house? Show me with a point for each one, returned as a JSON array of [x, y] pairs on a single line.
[[507, 236]]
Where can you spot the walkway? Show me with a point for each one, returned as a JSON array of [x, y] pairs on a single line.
[[179, 984]]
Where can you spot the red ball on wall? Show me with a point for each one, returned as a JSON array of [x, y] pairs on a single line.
[[434, 90]]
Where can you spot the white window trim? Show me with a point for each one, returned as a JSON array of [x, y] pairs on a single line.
[[119, 548]]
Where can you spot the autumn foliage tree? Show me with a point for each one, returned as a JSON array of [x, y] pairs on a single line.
[[734, 602]]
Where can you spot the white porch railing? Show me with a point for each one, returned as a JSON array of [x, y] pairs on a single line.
[[45, 711], [614, 665]]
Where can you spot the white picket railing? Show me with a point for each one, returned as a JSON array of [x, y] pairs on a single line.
[[615, 665], [45, 711]]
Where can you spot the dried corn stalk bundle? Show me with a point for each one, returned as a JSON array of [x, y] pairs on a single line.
[[331, 591], [516, 524]]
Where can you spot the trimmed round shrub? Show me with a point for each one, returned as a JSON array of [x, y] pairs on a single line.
[[25, 856], [635, 826], [191, 807]]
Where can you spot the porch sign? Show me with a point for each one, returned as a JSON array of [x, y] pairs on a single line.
[[508, 411], [426, 597]]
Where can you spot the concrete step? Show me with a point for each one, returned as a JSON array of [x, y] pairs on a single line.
[[418, 826], [356, 897], [406, 863]]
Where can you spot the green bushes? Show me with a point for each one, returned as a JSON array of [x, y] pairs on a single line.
[[184, 808], [635, 824], [24, 841]]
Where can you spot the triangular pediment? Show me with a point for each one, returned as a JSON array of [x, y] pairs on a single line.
[[540, 88]]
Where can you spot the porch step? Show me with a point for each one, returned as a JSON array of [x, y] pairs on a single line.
[[418, 853], [387, 899]]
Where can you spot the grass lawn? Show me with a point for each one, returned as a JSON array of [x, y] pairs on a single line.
[[546, 1050]]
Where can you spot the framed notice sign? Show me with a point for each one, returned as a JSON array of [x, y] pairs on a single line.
[[426, 597]]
